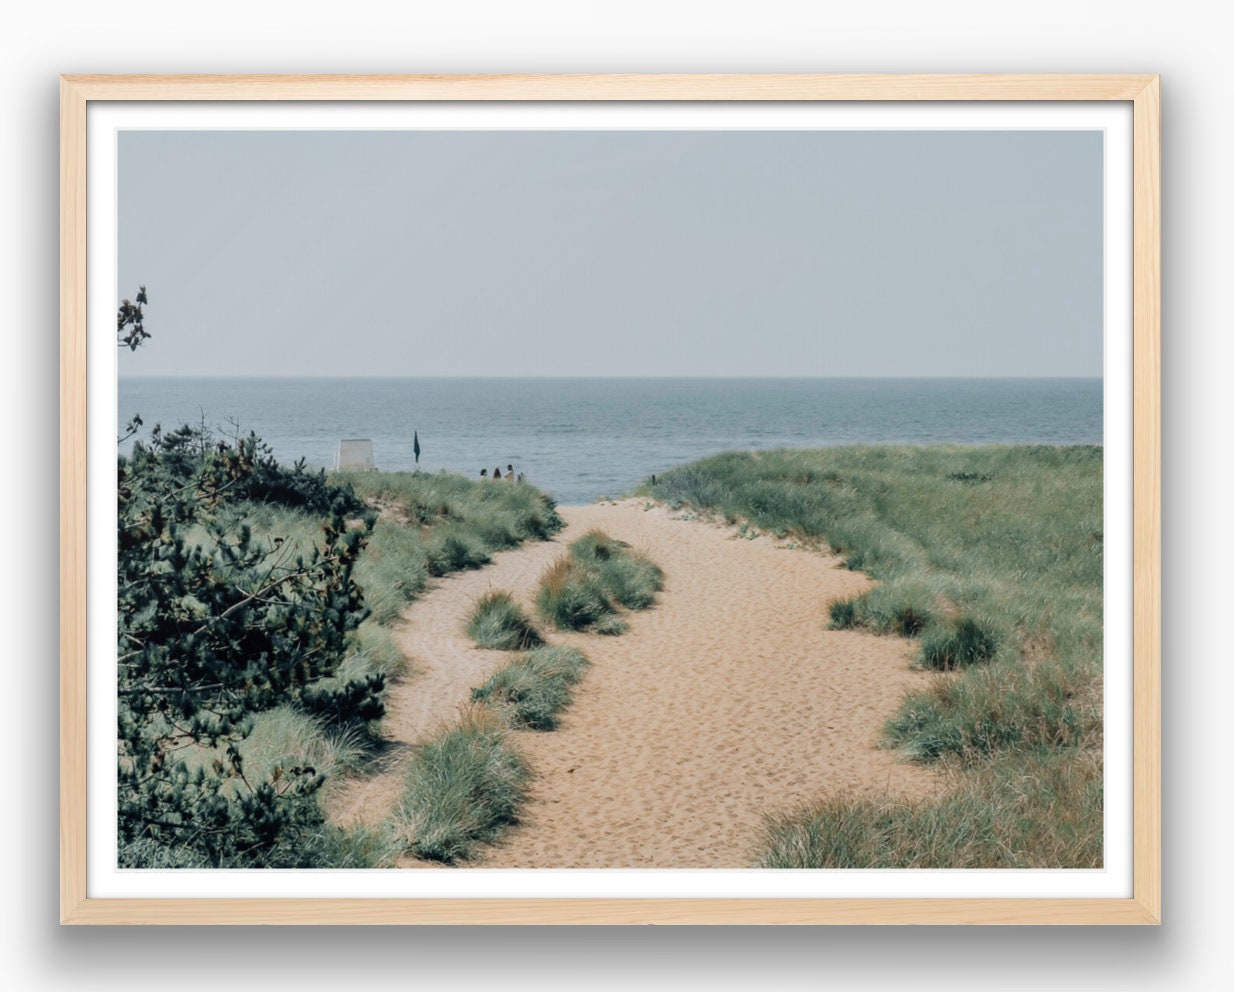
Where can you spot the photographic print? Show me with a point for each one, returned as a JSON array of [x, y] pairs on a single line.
[[494, 501]]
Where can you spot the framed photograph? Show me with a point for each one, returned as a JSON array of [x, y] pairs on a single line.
[[610, 499]]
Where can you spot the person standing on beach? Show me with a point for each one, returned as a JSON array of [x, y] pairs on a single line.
[[509, 473], [497, 474], [484, 474]]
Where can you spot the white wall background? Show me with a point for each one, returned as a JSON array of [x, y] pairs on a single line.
[[1186, 41]]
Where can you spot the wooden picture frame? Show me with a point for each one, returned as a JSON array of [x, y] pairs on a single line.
[[1142, 92]]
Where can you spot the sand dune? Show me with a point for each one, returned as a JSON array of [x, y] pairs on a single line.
[[725, 700]]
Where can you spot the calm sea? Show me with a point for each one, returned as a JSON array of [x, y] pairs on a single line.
[[581, 439]]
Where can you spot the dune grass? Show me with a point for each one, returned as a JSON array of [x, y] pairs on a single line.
[[991, 557], [373, 652], [496, 516], [531, 690], [1010, 814], [287, 737], [432, 525], [584, 589], [462, 789], [498, 622], [906, 605]]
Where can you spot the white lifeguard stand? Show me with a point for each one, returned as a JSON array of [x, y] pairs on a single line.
[[355, 453]]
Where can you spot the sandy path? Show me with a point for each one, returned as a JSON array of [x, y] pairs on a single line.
[[725, 700]]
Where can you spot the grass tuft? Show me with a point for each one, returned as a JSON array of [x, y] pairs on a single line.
[[610, 626], [535, 687], [287, 737], [463, 789], [570, 598], [903, 606], [958, 644], [498, 622], [584, 589]]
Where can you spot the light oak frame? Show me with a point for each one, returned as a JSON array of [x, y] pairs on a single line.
[[1142, 91]]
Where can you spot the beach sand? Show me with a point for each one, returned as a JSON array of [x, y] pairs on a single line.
[[727, 700]]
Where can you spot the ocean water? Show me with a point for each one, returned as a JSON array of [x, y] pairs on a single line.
[[581, 439]]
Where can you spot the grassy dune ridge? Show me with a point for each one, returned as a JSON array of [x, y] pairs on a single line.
[[432, 525], [992, 558]]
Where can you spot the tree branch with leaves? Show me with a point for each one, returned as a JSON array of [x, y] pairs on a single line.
[[217, 625]]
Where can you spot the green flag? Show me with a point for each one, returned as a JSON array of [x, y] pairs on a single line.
[[415, 446]]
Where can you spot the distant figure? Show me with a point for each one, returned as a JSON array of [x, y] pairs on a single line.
[[653, 479], [497, 474], [484, 473], [521, 478], [509, 473]]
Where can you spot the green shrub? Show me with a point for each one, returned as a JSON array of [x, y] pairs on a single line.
[[320, 846], [631, 580], [455, 550], [498, 622], [220, 624], [906, 605], [595, 546]]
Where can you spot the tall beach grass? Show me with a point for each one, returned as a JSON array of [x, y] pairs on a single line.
[[1010, 813]]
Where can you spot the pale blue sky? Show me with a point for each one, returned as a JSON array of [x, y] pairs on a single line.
[[738, 253]]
